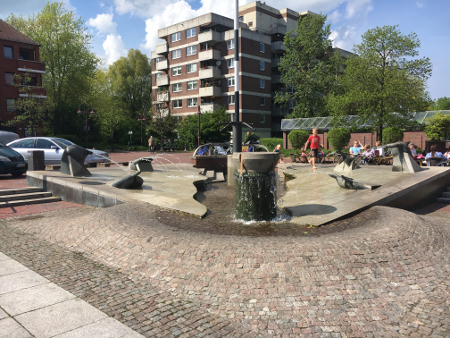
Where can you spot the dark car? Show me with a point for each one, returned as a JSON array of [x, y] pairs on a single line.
[[11, 162]]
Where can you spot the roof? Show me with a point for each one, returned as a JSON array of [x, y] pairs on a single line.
[[326, 123], [9, 33]]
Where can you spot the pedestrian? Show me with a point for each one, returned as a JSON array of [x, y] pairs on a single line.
[[314, 139], [250, 141], [151, 144], [277, 151]]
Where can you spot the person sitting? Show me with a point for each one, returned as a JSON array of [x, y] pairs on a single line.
[[432, 154], [447, 154], [277, 151], [368, 154], [250, 140], [355, 150], [412, 147], [379, 150]]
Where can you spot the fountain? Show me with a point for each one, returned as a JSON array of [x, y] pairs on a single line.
[[144, 164], [72, 161], [131, 181], [403, 160], [256, 198]]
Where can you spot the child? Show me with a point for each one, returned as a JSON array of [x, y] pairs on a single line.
[[277, 150], [315, 140]]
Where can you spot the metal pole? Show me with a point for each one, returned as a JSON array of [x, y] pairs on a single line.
[[237, 128], [198, 113], [87, 139], [141, 133]]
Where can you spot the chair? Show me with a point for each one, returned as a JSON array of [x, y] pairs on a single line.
[[436, 161]]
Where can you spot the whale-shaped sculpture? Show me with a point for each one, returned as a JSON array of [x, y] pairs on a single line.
[[145, 164], [72, 161], [131, 181], [402, 158], [349, 183], [347, 162]]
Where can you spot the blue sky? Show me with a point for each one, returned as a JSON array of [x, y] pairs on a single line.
[[118, 25]]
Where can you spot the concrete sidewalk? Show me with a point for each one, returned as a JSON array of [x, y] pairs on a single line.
[[32, 306]]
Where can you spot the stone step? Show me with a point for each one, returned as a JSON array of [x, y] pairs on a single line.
[[28, 196], [28, 202], [446, 194], [448, 189], [219, 177], [25, 190], [210, 174], [443, 200]]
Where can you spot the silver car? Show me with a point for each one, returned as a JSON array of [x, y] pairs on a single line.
[[53, 148]]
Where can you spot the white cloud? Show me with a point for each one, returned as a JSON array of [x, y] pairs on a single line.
[[344, 37], [355, 7], [103, 23], [419, 4], [335, 16], [114, 48]]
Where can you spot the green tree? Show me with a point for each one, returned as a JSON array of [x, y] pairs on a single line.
[[442, 103], [339, 137], [297, 139], [65, 49], [385, 78], [209, 128], [309, 68], [438, 127], [392, 135], [131, 77], [163, 126]]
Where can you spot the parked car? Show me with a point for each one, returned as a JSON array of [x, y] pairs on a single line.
[[11, 162], [53, 148], [7, 136]]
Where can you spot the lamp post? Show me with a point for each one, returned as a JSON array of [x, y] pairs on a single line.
[[198, 114], [142, 119], [86, 114]]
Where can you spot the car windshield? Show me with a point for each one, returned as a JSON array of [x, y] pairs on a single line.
[[63, 143]]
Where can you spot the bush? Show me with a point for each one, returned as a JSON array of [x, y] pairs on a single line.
[[392, 135], [438, 128], [271, 143], [298, 138], [339, 138]]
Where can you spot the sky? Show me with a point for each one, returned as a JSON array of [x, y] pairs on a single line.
[[119, 25]]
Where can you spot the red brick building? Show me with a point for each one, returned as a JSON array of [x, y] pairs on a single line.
[[18, 55]]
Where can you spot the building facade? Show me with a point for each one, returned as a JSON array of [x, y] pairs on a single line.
[[194, 66], [19, 55]]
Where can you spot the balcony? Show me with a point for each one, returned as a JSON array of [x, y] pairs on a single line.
[[31, 66], [162, 81], [162, 65], [275, 62], [276, 79], [208, 107], [210, 54], [210, 91], [209, 36], [280, 111], [278, 46], [162, 48], [162, 97], [210, 73]]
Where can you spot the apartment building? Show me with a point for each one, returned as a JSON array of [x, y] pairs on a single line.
[[19, 55], [194, 66]]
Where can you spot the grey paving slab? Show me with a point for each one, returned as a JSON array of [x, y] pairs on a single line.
[[10, 266], [3, 314], [9, 328], [33, 298], [106, 328], [3, 257], [59, 318], [19, 281]]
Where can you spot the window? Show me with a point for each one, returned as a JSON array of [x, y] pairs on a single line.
[[262, 84], [27, 143], [262, 118], [158, 75], [176, 71], [231, 81], [262, 101], [192, 68], [176, 54], [176, 36], [42, 143], [29, 80], [261, 47], [158, 59], [8, 52], [231, 99], [241, 18], [192, 102], [261, 65], [10, 105], [9, 78], [230, 63], [191, 50], [177, 103], [24, 55], [191, 32], [176, 87], [230, 44], [191, 85]]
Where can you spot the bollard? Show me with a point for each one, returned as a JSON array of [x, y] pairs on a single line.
[[36, 160]]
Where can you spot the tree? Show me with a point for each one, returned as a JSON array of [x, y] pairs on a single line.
[[383, 79], [209, 128], [298, 138], [309, 68], [392, 135], [164, 125], [339, 137], [438, 127], [442, 103], [132, 83], [65, 49]]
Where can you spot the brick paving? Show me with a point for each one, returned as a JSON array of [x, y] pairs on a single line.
[[387, 276]]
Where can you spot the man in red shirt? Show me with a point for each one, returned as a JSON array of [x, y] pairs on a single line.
[[315, 140]]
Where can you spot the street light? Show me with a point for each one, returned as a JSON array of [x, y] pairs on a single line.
[[199, 113], [142, 119], [86, 113]]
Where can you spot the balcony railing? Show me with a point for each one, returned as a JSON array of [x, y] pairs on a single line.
[[276, 79], [209, 36], [162, 81], [210, 91], [162, 97], [162, 65], [31, 66], [210, 73], [208, 107], [210, 54], [162, 48], [275, 62], [278, 46]]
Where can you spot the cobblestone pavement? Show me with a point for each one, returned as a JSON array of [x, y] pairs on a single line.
[[385, 276]]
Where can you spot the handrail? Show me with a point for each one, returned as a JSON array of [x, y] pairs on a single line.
[[228, 147]]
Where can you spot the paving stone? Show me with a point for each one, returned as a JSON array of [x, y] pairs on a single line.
[[9, 328]]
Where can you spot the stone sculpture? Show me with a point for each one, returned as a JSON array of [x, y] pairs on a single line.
[[132, 181], [72, 161], [402, 158], [349, 183], [347, 162], [145, 164]]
